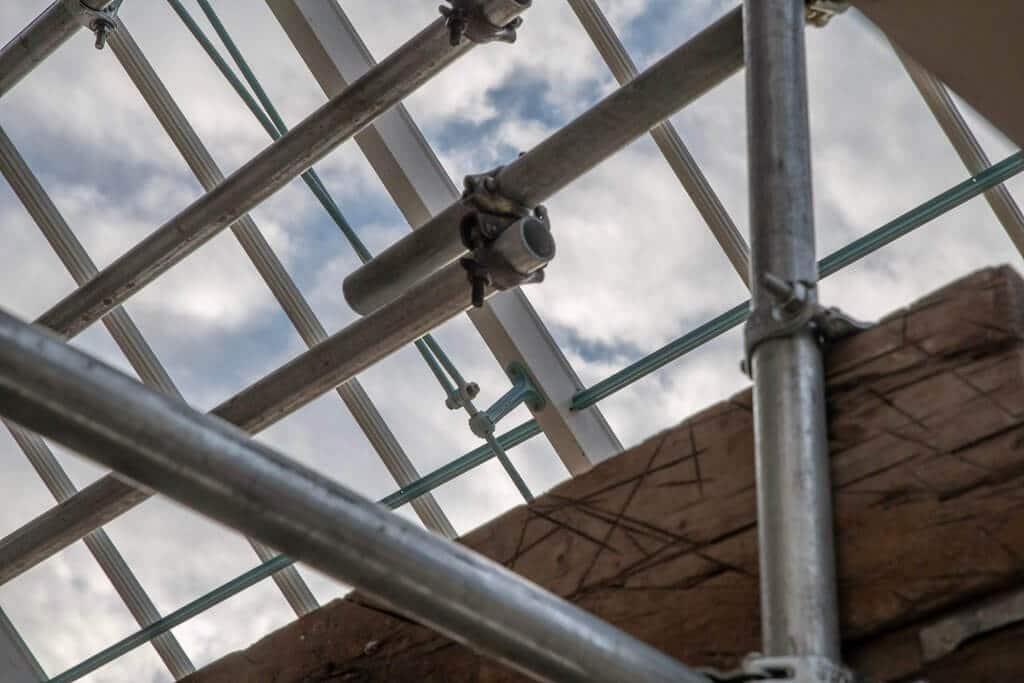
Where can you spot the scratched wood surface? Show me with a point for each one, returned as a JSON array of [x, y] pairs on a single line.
[[926, 419]]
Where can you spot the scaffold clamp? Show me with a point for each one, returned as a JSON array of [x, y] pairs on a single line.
[[794, 310], [466, 19], [509, 243], [820, 12], [101, 22], [807, 669]]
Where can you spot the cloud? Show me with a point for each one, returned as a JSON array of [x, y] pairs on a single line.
[[636, 266]]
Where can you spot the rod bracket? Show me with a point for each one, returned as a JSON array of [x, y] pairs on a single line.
[[509, 243], [462, 396], [806, 669], [820, 12], [794, 310], [467, 19], [524, 390]]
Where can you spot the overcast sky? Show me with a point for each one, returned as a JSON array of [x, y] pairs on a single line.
[[636, 266]]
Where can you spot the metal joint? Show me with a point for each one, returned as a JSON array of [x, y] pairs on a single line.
[[460, 398], [806, 669], [101, 22], [795, 309], [820, 12], [524, 390], [509, 243], [467, 19]]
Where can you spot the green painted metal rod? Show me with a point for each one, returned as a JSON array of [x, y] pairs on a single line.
[[424, 485], [856, 250]]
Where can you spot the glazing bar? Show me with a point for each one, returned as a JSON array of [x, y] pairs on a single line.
[[214, 468], [945, 111], [668, 141], [414, 177]]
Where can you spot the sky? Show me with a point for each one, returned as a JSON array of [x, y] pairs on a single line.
[[636, 266]]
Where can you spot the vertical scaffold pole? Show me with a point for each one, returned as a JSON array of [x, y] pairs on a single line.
[[798, 586]]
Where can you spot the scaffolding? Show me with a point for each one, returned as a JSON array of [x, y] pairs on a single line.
[[470, 252]]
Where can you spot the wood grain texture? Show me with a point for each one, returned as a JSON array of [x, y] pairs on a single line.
[[972, 46], [926, 419]]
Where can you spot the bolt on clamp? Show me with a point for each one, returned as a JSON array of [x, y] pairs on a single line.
[[466, 19], [101, 22], [807, 669], [510, 244], [820, 12], [794, 310]]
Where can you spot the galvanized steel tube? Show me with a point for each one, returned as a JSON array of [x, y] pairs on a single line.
[[357, 106], [663, 89], [799, 608], [213, 467]]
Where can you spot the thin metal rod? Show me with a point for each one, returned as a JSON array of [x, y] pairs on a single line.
[[937, 97], [663, 89], [668, 141], [108, 497], [270, 268], [238, 584], [138, 353], [799, 604], [41, 38], [214, 468], [392, 79]]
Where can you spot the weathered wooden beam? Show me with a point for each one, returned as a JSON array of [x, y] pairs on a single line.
[[926, 414], [968, 45]]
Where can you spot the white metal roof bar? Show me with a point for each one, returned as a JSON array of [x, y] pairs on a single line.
[[420, 187], [121, 327], [673, 82], [217, 470], [100, 502], [937, 97], [394, 78], [107, 556], [38, 40], [17, 663], [271, 270], [327, 365], [667, 138]]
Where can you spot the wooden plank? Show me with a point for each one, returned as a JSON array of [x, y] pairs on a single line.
[[926, 415], [971, 46]]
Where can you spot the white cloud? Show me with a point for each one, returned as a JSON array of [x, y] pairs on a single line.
[[636, 266]]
